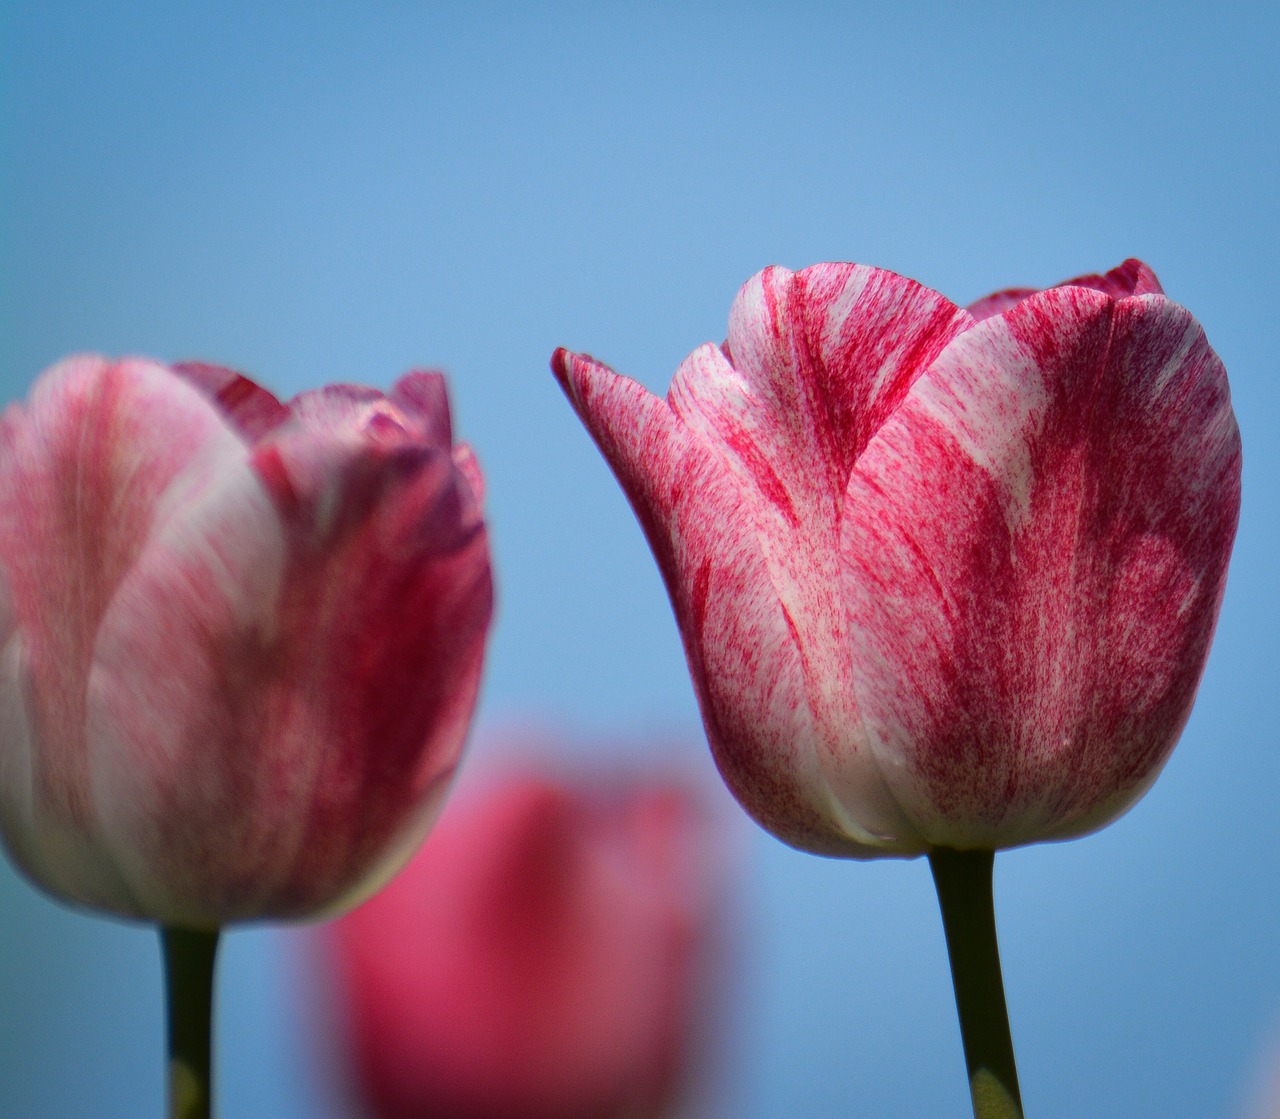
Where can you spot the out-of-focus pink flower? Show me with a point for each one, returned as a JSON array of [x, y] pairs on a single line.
[[241, 639], [537, 959], [944, 577]]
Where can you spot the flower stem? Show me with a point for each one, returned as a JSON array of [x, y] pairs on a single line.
[[188, 969], [963, 879]]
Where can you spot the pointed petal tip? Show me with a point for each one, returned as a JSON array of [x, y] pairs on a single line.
[[422, 383], [1128, 278], [568, 367], [424, 394], [1145, 280], [576, 373], [1131, 277], [562, 362]]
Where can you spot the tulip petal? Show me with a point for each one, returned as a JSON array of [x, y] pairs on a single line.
[[998, 302], [421, 393], [45, 845], [178, 649], [743, 654], [87, 469], [246, 404], [1036, 548], [1132, 277], [815, 362], [336, 592]]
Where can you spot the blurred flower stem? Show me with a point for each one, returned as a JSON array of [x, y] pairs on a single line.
[[188, 967], [963, 880]]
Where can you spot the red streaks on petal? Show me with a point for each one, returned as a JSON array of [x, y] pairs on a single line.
[[740, 444], [746, 667], [1068, 478], [1129, 278], [698, 599], [375, 651], [998, 302], [819, 358], [270, 465], [251, 408]]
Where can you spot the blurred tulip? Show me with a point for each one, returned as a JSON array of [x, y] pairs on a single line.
[[537, 959], [242, 639], [945, 578]]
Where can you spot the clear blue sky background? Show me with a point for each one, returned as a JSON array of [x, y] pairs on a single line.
[[340, 191]]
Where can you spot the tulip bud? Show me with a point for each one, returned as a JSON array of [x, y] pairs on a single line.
[[535, 960], [945, 578], [242, 639]]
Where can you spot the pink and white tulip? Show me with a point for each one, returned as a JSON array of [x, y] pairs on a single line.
[[242, 639], [945, 577]]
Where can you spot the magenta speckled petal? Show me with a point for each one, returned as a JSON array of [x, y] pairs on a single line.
[[1037, 546], [742, 654]]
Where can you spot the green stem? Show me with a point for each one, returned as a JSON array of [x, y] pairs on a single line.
[[188, 970], [963, 879]]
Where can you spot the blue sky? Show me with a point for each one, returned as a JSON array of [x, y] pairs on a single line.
[[340, 191]]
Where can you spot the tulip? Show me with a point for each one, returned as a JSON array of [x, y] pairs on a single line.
[[943, 579], [242, 638], [946, 578], [535, 960]]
